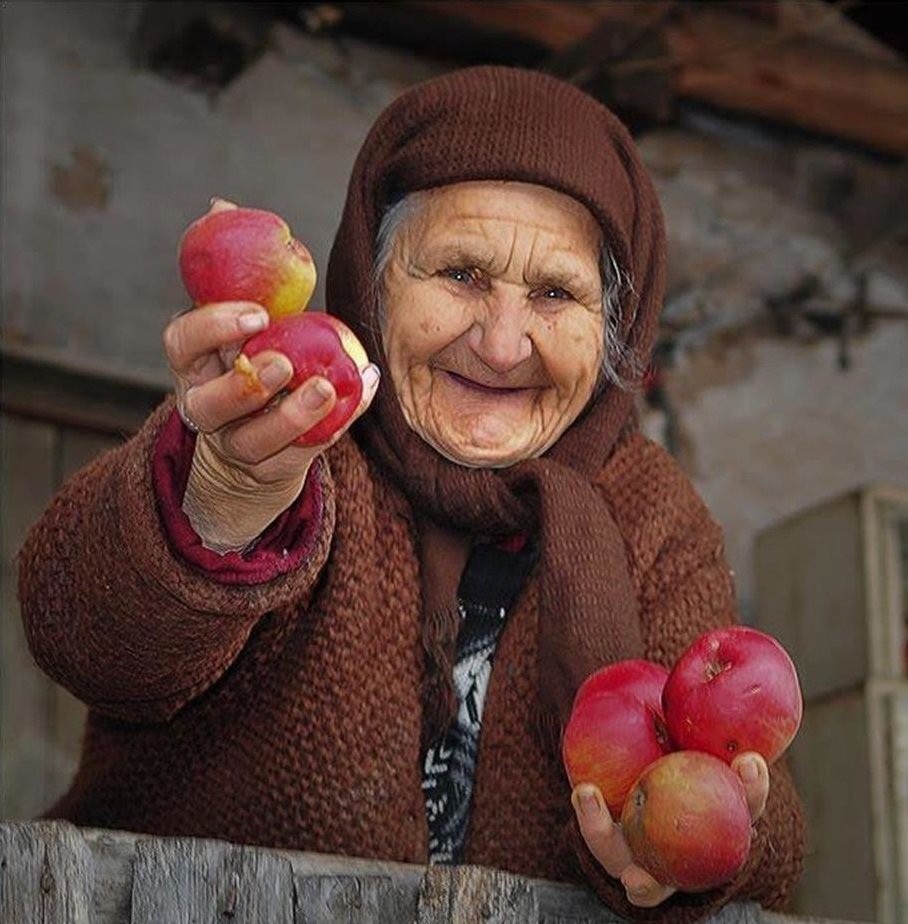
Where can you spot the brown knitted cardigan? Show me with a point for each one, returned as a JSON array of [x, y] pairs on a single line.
[[283, 713], [285, 710]]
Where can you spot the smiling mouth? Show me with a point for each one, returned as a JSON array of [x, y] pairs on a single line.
[[483, 389]]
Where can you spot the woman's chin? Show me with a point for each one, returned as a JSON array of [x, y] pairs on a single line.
[[482, 451]]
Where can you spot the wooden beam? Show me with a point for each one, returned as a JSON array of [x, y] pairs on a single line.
[[738, 63], [802, 69], [552, 26]]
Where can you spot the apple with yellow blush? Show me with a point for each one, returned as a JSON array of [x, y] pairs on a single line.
[[245, 254]]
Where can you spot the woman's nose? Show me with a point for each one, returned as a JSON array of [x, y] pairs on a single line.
[[500, 337]]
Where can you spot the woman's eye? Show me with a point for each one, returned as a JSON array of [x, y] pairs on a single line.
[[556, 292], [461, 274], [469, 276]]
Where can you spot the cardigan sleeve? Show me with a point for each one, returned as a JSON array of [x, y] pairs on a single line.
[[676, 556], [122, 605]]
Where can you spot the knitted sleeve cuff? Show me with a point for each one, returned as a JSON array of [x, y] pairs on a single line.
[[282, 547], [278, 570]]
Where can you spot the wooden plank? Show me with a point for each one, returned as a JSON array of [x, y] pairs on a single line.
[[43, 387], [188, 881], [564, 904], [45, 875], [467, 894], [52, 871], [348, 899], [113, 854], [814, 70], [833, 767], [27, 482], [67, 714], [810, 585]]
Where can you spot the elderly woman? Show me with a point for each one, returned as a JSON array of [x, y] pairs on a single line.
[[369, 648]]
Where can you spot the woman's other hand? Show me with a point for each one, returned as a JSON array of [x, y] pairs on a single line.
[[604, 838]]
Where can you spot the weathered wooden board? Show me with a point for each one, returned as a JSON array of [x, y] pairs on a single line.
[[46, 875], [344, 900], [187, 881], [52, 872], [465, 895]]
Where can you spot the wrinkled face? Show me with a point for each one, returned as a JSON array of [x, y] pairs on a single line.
[[493, 324]]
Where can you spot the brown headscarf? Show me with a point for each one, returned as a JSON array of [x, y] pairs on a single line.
[[494, 123]]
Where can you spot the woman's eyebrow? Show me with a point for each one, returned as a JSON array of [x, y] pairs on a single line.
[[563, 275], [457, 253]]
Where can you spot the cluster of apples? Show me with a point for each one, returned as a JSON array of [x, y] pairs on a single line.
[[658, 744], [245, 254]]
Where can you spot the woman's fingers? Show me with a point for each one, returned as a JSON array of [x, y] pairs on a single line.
[[607, 844], [602, 835], [194, 337], [754, 774], [254, 440], [642, 890], [234, 395]]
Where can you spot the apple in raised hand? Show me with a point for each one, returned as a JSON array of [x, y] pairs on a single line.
[[686, 821], [316, 344], [734, 689], [243, 254], [616, 728]]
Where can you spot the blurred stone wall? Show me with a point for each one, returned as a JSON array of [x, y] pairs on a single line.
[[786, 327], [785, 330]]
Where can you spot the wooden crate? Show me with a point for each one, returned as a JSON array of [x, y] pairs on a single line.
[[831, 586]]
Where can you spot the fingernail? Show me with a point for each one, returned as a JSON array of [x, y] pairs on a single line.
[[275, 373], [590, 803], [749, 771], [252, 321], [371, 375], [316, 394]]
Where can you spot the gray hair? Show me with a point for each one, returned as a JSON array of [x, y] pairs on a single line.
[[616, 283]]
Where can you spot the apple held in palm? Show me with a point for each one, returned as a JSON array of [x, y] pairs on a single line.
[[316, 344]]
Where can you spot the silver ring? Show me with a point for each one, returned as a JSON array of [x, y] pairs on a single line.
[[188, 422]]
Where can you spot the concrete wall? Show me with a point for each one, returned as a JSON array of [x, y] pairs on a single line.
[[105, 162], [787, 312]]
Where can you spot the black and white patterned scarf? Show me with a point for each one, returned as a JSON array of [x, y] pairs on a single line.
[[491, 582]]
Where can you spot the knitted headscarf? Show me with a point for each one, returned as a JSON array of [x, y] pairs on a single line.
[[494, 123]]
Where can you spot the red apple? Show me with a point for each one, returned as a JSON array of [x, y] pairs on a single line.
[[315, 344], [616, 728], [733, 690], [686, 821], [242, 254]]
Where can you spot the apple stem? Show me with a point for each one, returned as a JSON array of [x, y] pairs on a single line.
[[245, 368]]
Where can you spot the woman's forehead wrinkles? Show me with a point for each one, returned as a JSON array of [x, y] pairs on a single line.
[[547, 255]]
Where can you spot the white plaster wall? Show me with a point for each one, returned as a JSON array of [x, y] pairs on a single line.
[[797, 430], [93, 287]]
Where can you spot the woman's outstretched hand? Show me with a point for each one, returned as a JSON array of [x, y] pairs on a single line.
[[604, 838], [246, 469]]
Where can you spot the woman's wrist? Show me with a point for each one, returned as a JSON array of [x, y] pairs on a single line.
[[229, 508]]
